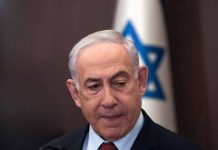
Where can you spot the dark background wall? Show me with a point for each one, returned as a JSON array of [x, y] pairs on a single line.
[[36, 37]]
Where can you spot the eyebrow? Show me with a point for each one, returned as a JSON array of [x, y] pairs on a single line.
[[121, 74], [92, 80], [118, 74]]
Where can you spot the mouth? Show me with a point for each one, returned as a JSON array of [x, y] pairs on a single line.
[[111, 117]]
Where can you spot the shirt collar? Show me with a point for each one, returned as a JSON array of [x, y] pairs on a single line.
[[94, 140], [126, 142]]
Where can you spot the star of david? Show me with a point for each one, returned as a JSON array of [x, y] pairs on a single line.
[[152, 56]]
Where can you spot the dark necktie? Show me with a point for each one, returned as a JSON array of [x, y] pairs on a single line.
[[108, 146]]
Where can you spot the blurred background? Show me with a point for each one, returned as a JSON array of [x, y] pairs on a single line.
[[36, 37]]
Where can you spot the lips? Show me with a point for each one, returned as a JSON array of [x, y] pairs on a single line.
[[111, 117]]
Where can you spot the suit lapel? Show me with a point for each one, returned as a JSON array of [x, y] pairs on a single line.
[[146, 138]]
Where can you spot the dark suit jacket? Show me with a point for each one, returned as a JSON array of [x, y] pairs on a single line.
[[151, 137]]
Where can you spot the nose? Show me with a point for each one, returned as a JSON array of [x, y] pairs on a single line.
[[108, 98]]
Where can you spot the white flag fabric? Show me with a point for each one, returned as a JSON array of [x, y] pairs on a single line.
[[142, 21]]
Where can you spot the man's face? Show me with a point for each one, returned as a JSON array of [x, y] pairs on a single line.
[[109, 94]]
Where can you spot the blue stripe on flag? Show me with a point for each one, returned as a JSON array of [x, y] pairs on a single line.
[[154, 89]]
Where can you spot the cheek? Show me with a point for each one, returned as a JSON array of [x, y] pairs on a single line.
[[131, 97], [132, 92], [89, 108]]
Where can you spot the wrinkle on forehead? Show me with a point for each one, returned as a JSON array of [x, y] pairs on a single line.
[[105, 71]]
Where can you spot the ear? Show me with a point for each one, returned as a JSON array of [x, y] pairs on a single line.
[[142, 79], [74, 92]]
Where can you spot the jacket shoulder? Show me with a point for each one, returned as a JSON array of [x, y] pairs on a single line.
[[170, 140], [154, 136], [73, 139]]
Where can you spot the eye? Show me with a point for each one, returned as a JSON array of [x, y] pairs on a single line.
[[119, 84], [93, 87]]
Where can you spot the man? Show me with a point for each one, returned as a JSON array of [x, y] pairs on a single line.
[[107, 85]]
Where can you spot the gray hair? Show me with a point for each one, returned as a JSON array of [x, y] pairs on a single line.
[[110, 36]]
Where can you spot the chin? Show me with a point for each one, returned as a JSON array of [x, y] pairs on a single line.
[[112, 135], [111, 138]]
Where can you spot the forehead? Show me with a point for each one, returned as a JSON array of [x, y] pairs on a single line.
[[105, 57], [102, 53]]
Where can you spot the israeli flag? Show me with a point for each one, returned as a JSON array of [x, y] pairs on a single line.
[[142, 21]]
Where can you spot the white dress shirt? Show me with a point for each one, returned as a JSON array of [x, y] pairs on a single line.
[[93, 140]]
